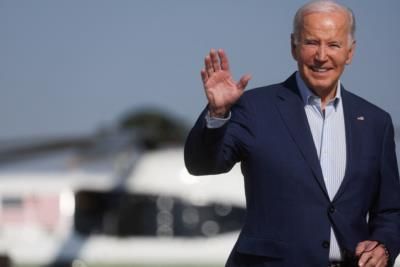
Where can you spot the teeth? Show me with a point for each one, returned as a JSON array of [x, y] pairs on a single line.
[[319, 69]]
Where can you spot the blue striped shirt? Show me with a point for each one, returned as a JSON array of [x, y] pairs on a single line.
[[328, 131]]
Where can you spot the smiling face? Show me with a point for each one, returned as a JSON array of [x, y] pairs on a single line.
[[322, 49]]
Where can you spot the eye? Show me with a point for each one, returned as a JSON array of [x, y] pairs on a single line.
[[310, 42], [335, 45]]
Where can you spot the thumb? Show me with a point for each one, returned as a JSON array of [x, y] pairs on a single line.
[[243, 81], [365, 246], [360, 248]]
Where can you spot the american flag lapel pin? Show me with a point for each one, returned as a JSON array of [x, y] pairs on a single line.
[[360, 118]]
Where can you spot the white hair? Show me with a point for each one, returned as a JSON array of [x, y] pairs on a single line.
[[324, 6]]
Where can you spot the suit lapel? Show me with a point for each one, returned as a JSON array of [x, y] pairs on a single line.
[[291, 108]]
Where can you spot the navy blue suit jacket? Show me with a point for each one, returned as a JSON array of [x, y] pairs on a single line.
[[289, 213]]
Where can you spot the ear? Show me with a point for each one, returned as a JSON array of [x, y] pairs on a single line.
[[351, 53], [293, 46]]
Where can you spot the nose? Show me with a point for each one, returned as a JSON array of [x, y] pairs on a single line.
[[321, 53]]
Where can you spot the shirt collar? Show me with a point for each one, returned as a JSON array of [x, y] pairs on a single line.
[[309, 97]]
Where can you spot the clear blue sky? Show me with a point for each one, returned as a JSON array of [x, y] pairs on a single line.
[[70, 67]]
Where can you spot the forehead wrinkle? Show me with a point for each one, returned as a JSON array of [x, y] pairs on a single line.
[[332, 27]]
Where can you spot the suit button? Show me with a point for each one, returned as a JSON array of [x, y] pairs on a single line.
[[331, 209], [325, 244]]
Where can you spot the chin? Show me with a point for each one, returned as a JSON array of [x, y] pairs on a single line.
[[321, 85]]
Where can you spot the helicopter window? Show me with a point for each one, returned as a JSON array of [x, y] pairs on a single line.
[[11, 202], [127, 214]]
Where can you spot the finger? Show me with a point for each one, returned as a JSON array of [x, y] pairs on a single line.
[[380, 256], [371, 262], [208, 65], [365, 246], [243, 81], [377, 254], [224, 60], [204, 76], [372, 247], [365, 257], [214, 60], [360, 248], [382, 262]]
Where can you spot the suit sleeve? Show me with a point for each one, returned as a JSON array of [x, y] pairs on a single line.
[[385, 215], [213, 151]]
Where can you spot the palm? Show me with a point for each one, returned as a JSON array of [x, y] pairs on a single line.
[[222, 90]]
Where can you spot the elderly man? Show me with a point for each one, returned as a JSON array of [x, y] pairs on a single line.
[[319, 165]]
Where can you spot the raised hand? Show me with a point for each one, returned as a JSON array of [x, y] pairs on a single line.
[[221, 89]]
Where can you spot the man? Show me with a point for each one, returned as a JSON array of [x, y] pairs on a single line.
[[319, 165]]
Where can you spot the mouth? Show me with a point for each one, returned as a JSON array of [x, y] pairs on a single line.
[[319, 69]]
